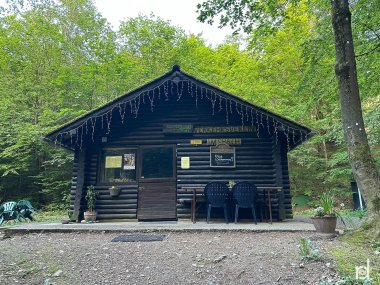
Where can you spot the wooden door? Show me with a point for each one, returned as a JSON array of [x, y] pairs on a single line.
[[157, 196]]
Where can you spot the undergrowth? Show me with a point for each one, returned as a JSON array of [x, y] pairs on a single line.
[[354, 250], [307, 251], [43, 216]]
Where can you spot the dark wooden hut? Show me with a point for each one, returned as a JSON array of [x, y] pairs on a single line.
[[155, 140]]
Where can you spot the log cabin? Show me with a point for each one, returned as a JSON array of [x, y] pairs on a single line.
[[173, 132]]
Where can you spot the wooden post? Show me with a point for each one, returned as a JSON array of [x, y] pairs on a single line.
[[279, 181], [80, 156]]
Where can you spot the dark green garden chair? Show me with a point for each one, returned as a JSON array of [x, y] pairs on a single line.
[[25, 210], [8, 211]]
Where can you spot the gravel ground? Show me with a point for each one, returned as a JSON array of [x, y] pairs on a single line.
[[181, 258]]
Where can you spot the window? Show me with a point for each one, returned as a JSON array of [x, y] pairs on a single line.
[[118, 166], [157, 162]]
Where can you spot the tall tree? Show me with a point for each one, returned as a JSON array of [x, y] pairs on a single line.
[[361, 160], [268, 16]]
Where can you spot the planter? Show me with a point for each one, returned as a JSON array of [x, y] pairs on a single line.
[[114, 192], [90, 216], [325, 224]]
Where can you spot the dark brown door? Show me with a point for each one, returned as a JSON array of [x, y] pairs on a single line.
[[157, 198]]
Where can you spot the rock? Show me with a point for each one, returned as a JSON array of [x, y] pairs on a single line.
[[4, 236], [302, 265], [219, 258], [58, 273]]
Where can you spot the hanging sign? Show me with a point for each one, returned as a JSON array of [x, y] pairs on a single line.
[[113, 161], [185, 162], [229, 141], [178, 128], [196, 142], [222, 156], [225, 129]]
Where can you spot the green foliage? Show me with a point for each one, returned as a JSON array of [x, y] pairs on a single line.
[[348, 280], [355, 249], [327, 203], [60, 59], [307, 251], [91, 197]]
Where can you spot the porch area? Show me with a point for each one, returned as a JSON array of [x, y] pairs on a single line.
[[167, 226]]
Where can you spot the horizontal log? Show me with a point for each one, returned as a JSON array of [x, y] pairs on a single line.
[[117, 206], [116, 202], [115, 211], [115, 216]]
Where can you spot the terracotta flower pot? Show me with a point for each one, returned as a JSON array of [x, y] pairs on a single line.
[[326, 224], [90, 216]]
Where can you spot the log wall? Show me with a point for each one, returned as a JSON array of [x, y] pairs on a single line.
[[256, 160]]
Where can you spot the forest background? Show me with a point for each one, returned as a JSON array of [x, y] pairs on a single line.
[[60, 59]]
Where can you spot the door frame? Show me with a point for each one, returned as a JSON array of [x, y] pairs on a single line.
[[141, 181]]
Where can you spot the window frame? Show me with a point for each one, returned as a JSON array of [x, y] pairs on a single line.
[[174, 163], [101, 166]]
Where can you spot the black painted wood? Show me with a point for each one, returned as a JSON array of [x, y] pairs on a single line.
[[78, 182], [260, 159]]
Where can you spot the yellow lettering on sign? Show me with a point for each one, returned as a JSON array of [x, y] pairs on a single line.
[[225, 129], [195, 141], [230, 141]]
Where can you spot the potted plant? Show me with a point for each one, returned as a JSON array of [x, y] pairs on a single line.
[[325, 216], [114, 191], [66, 201], [91, 195]]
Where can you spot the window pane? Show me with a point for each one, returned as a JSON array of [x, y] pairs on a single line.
[[119, 166], [157, 162]]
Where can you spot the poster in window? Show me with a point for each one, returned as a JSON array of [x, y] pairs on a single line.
[[113, 161], [129, 161]]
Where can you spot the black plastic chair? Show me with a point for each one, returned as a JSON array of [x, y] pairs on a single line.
[[244, 194], [216, 196]]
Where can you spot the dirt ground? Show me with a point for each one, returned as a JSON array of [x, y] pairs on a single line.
[[181, 258]]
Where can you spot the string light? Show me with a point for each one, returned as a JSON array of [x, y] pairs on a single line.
[[246, 113]]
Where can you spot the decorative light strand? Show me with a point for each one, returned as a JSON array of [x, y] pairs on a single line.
[[194, 90]]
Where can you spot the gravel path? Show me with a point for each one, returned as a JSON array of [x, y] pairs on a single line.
[[181, 258]]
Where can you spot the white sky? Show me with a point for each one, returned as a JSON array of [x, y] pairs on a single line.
[[180, 12]]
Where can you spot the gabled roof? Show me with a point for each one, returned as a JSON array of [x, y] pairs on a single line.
[[176, 75]]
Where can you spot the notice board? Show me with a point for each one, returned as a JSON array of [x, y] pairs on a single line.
[[222, 156]]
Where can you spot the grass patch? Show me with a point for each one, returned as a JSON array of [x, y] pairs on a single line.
[[356, 247], [51, 216], [43, 216], [343, 213]]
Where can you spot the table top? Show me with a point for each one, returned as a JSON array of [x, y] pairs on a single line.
[[270, 188], [260, 188], [192, 188]]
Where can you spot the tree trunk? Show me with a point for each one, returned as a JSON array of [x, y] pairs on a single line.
[[362, 163]]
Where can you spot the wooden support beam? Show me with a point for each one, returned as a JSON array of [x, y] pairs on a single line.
[[80, 157]]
